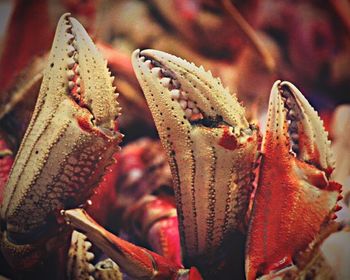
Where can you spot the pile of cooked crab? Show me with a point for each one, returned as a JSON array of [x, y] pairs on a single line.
[[236, 203]]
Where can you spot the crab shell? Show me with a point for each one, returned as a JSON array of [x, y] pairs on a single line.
[[294, 200], [211, 149], [68, 144]]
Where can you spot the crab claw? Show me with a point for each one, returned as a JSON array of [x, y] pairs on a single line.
[[81, 260], [211, 148], [70, 139], [294, 200], [137, 262]]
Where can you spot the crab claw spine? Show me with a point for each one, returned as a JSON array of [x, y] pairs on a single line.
[[81, 260]]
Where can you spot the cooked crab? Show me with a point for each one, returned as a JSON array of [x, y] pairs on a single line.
[[212, 151], [68, 144], [213, 154]]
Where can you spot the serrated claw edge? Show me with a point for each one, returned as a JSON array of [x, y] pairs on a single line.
[[70, 140]]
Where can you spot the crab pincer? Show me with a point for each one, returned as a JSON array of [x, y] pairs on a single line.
[[137, 262], [295, 199], [211, 150], [68, 144]]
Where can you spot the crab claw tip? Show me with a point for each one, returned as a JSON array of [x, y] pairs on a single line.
[[291, 119], [73, 56]]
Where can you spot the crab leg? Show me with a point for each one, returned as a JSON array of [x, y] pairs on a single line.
[[142, 170], [19, 46], [70, 139], [294, 198], [154, 220], [211, 149], [137, 262]]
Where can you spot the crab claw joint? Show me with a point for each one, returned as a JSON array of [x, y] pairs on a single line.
[[294, 178]]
